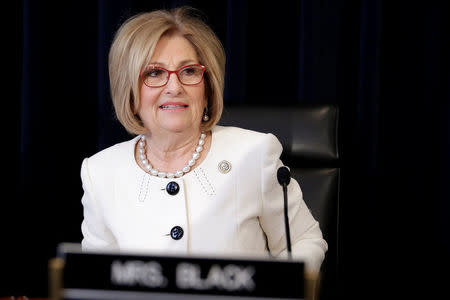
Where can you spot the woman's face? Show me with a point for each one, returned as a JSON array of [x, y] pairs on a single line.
[[173, 107]]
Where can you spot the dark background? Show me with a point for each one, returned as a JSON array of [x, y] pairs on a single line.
[[384, 63]]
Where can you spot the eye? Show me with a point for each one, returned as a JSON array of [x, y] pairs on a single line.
[[153, 72], [191, 71]]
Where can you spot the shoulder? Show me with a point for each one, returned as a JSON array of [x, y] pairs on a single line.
[[230, 136], [122, 148], [244, 135], [113, 156]]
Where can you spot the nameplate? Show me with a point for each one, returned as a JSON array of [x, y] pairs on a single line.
[[123, 276]]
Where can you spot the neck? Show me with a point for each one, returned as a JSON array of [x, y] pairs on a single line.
[[170, 151], [167, 145]]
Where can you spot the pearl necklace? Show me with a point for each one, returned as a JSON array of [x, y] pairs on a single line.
[[179, 173]]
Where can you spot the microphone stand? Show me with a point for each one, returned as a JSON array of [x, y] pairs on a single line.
[[286, 222], [284, 177]]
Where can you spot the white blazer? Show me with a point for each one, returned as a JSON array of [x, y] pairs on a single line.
[[219, 212]]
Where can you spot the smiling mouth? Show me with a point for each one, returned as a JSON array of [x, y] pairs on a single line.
[[171, 106]]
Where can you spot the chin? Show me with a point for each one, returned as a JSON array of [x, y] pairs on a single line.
[[177, 128], [179, 125]]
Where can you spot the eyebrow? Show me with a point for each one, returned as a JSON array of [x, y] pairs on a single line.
[[180, 64]]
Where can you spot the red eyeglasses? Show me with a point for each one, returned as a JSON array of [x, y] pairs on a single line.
[[153, 76]]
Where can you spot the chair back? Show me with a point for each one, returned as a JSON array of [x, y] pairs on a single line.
[[309, 135]]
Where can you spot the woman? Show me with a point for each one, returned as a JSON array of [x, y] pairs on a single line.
[[184, 185]]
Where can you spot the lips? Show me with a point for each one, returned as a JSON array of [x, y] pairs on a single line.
[[172, 105]]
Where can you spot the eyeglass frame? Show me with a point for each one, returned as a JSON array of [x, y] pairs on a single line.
[[171, 72]]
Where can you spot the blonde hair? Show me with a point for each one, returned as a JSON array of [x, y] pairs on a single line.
[[133, 47]]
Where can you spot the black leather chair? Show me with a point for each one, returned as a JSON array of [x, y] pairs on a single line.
[[309, 135]]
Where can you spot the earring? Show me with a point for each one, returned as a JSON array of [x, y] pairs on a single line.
[[205, 115]]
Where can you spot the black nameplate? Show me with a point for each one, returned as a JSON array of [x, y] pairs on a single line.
[[123, 276]]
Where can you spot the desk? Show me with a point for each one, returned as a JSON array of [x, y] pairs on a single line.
[[121, 276]]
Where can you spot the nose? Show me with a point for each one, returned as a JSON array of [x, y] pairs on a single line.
[[173, 86]]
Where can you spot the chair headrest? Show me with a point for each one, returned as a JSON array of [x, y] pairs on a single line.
[[307, 133]]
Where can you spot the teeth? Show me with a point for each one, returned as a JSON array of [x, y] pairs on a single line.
[[173, 106]]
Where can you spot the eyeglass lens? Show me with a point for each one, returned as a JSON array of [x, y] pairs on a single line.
[[157, 76]]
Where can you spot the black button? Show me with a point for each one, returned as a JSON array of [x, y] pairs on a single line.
[[177, 233], [172, 188]]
